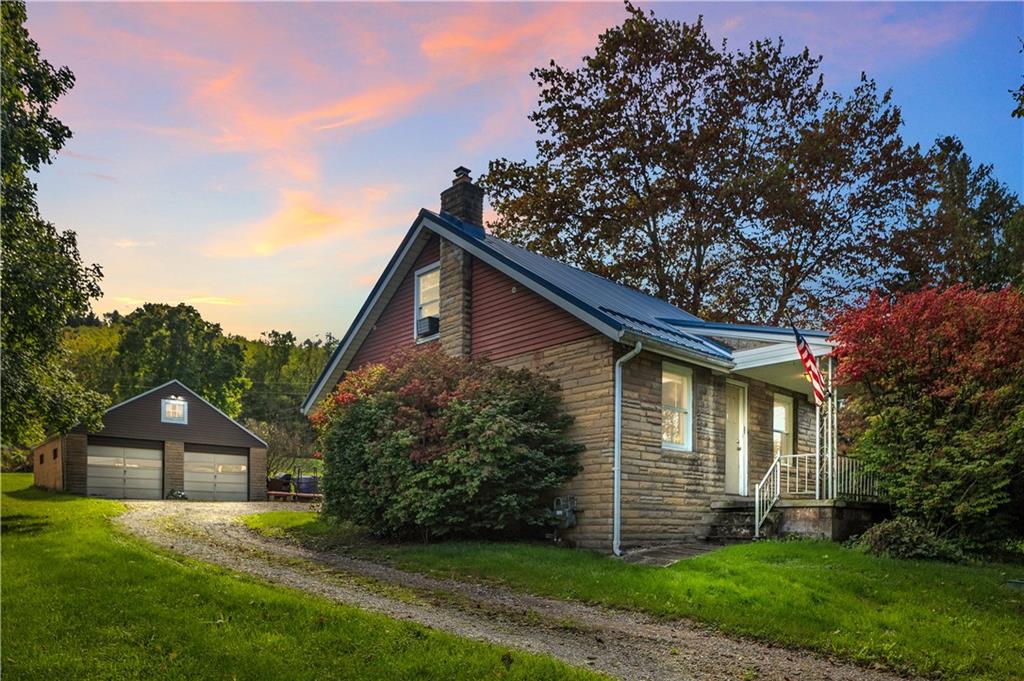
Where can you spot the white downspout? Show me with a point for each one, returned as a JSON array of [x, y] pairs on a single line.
[[617, 468]]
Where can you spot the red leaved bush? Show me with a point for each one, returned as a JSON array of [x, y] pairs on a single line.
[[935, 383], [936, 340], [428, 445]]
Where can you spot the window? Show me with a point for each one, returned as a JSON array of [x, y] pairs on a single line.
[[54, 453], [676, 407], [42, 457], [428, 303], [782, 426], [174, 410]]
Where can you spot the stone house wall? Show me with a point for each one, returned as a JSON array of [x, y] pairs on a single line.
[[667, 494], [584, 370]]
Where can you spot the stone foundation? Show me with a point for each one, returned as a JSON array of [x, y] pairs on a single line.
[[836, 519]]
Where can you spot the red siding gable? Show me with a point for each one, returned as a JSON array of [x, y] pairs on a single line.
[[394, 327], [508, 319]]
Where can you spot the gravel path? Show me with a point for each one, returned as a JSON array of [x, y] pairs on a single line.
[[624, 645]]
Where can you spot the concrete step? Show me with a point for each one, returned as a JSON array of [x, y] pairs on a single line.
[[736, 523]]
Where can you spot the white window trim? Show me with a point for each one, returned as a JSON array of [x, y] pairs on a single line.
[[679, 369], [791, 413], [163, 411], [416, 301]]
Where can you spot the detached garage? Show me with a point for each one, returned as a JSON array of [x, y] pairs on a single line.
[[167, 438]]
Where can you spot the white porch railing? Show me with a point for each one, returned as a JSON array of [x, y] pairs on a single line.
[[797, 476], [851, 480], [766, 494]]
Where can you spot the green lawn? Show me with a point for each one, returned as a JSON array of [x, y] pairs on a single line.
[[949, 621], [81, 600]]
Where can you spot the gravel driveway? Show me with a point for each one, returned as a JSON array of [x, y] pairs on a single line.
[[624, 645]]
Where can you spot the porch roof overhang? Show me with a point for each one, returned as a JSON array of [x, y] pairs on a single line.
[[747, 331], [779, 364]]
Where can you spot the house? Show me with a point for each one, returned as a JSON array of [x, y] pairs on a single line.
[[689, 426], [167, 438]]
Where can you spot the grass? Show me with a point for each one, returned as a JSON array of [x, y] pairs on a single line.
[[82, 600], [935, 619]]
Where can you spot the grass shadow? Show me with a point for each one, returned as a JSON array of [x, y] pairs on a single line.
[[39, 494], [22, 523]]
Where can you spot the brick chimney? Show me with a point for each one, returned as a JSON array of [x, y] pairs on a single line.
[[464, 199]]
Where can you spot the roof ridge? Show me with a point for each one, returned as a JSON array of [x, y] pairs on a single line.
[[630, 289]]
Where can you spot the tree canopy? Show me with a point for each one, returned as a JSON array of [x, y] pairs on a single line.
[[965, 227], [163, 342], [44, 282], [280, 371], [728, 182], [119, 355]]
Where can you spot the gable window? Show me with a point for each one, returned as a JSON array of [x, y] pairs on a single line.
[[427, 303], [676, 407], [55, 454], [42, 458], [782, 425], [174, 410]]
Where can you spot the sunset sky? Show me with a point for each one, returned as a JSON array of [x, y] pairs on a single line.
[[262, 161]]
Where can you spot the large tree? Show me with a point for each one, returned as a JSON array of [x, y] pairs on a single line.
[[731, 183], [163, 342], [966, 227], [44, 282]]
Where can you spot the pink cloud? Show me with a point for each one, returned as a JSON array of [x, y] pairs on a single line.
[[303, 218]]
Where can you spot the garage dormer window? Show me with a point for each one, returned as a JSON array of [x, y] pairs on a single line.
[[428, 303], [174, 410]]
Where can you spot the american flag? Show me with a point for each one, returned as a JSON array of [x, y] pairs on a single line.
[[810, 367]]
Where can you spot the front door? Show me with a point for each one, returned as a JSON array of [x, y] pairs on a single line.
[[735, 438]]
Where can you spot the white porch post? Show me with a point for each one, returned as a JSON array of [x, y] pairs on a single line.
[[817, 450], [835, 426], [828, 434]]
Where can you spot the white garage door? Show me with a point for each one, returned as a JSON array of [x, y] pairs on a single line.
[[216, 477], [124, 472]]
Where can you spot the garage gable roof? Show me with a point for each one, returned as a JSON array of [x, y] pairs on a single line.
[[191, 431]]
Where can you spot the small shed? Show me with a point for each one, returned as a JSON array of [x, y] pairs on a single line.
[[167, 438]]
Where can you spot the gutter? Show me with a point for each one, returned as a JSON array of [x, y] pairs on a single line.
[[617, 468]]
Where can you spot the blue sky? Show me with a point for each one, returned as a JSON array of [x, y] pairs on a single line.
[[261, 161]]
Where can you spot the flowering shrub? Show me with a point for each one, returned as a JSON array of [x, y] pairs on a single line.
[[936, 379], [428, 446]]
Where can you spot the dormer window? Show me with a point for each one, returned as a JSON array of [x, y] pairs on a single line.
[[174, 410], [427, 303]]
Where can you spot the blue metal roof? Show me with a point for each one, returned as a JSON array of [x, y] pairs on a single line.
[[612, 308], [711, 327], [620, 306]]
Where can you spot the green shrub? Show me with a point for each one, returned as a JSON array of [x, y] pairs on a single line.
[[429, 446], [904, 537]]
